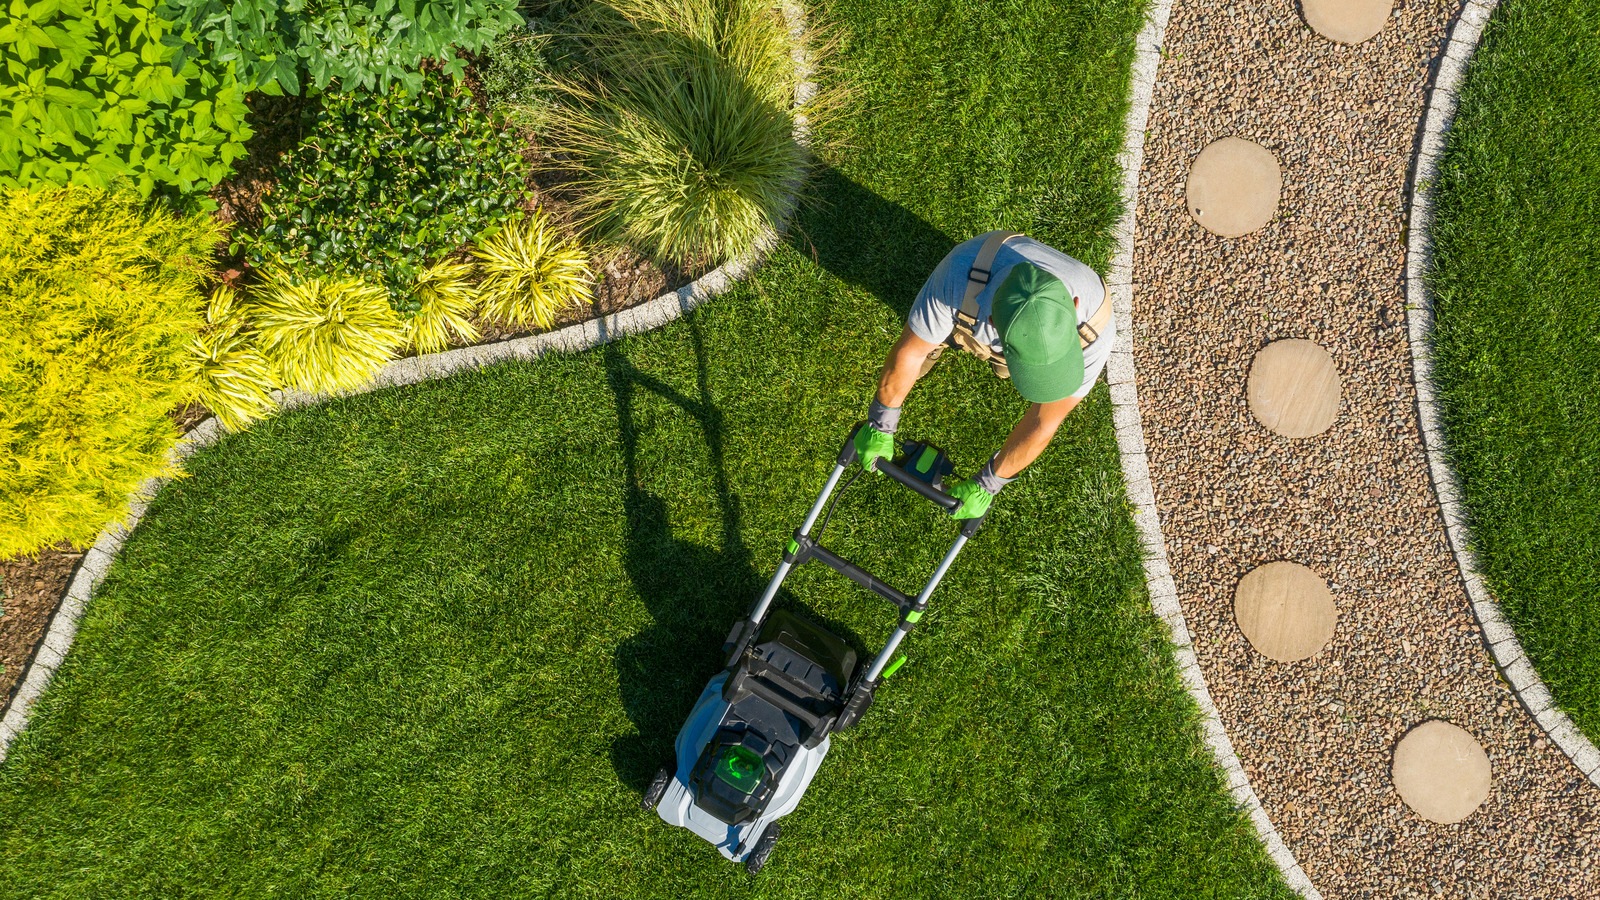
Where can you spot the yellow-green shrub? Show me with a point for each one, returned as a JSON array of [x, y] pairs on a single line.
[[98, 296], [325, 334], [530, 272], [445, 298], [230, 375]]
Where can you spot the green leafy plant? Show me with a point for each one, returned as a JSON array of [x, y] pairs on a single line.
[[230, 375], [445, 299], [98, 294], [364, 44], [96, 93], [683, 140], [519, 78], [386, 183], [530, 272], [325, 334], [525, 64]]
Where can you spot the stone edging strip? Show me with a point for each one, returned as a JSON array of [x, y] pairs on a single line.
[[63, 625], [1135, 463], [1497, 632]]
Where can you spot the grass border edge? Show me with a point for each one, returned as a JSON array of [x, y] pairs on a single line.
[[1129, 424], [1498, 634]]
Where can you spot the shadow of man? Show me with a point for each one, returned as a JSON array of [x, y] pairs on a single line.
[[694, 593]]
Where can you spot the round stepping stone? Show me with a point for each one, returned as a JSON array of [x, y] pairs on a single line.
[[1294, 388], [1285, 610], [1233, 187], [1347, 21], [1441, 771]]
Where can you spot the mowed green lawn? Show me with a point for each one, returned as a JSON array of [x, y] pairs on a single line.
[[432, 642], [1517, 350]]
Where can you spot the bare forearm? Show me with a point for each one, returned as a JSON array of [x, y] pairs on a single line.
[[1031, 435], [896, 382], [1027, 440], [901, 369]]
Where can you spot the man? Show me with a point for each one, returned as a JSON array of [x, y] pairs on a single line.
[[1038, 316]]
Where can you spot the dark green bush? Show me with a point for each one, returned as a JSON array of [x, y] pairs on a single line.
[[367, 43], [524, 64], [94, 93], [386, 183], [519, 75]]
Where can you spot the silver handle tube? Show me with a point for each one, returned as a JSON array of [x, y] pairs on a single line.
[[772, 591], [938, 574], [822, 498], [783, 568], [882, 658], [900, 633]]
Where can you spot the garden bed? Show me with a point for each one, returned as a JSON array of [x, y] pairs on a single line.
[[31, 587], [623, 277]]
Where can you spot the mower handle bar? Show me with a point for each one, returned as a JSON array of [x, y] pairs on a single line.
[[949, 503], [939, 498], [813, 550]]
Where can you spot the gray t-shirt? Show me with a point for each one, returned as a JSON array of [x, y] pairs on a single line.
[[933, 315]]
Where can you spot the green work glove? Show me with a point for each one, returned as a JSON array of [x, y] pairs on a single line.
[[974, 500], [871, 444]]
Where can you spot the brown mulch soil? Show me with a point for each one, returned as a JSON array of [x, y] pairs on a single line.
[[30, 590], [186, 417], [279, 124], [1355, 503]]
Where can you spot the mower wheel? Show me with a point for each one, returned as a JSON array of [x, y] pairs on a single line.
[[763, 848], [658, 786]]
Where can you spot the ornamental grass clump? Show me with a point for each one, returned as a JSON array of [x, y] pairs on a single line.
[[683, 137], [529, 273], [98, 293], [231, 376], [326, 334], [444, 298]]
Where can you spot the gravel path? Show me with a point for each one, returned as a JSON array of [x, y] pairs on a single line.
[[1354, 503]]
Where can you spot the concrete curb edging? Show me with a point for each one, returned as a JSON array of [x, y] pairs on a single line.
[[1129, 424], [63, 625], [1514, 665]]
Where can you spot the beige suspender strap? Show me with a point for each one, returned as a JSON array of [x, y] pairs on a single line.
[[978, 278], [982, 270], [1090, 331]]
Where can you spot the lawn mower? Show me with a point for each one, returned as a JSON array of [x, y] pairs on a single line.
[[760, 729]]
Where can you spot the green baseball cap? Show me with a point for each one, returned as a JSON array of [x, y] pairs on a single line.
[[1038, 325]]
